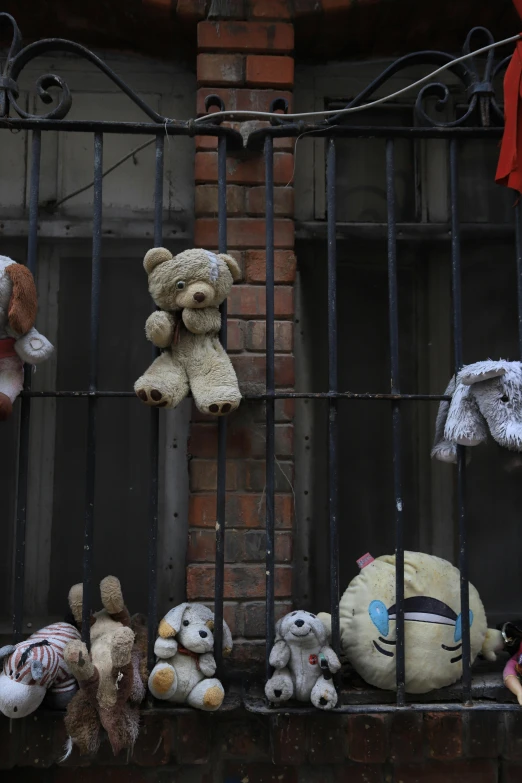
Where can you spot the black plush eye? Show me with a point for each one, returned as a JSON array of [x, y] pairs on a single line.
[[505, 398], [293, 613], [180, 285], [311, 615], [186, 622]]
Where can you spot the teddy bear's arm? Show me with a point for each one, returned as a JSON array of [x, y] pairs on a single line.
[[280, 655], [203, 321], [159, 328], [333, 661], [207, 664], [165, 648]]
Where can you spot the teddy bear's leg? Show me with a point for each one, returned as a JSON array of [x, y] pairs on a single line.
[[213, 380], [324, 695], [163, 682], [11, 384], [78, 660], [280, 686], [122, 726], [112, 600], [164, 384], [82, 723], [122, 643], [207, 695]]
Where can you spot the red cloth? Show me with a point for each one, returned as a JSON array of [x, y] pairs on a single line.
[[509, 169], [7, 348]]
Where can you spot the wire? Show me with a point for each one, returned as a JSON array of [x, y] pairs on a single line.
[[266, 115]]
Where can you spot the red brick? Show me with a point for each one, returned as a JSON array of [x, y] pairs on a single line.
[[206, 143], [484, 735], [259, 773], [240, 546], [243, 232], [283, 201], [192, 9], [256, 336], [246, 171], [255, 475], [243, 739], [476, 771], [327, 740], [156, 741], [269, 71], [206, 202], [250, 300], [232, 613], [220, 69], [241, 511], [241, 441], [284, 411], [284, 266], [289, 739], [241, 581], [251, 369], [270, 9], [246, 36], [306, 7], [203, 475], [443, 734], [335, 5], [406, 737], [241, 99], [255, 619], [367, 738], [194, 736], [235, 336]]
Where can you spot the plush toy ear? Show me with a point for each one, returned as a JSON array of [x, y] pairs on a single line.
[[36, 670], [443, 449], [465, 424], [171, 623], [24, 300], [233, 266], [278, 625], [7, 650], [156, 256], [227, 640], [320, 630], [481, 371]]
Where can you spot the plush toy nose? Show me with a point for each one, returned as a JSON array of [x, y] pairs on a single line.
[[199, 297], [203, 634], [299, 623]]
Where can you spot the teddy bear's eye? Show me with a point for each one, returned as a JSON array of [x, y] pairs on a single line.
[[186, 622], [180, 285], [504, 398]]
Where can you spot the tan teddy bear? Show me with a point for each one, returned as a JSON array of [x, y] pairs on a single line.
[[188, 289]]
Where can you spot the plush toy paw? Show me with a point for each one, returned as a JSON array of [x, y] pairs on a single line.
[[221, 408], [279, 688], [111, 595], [121, 647], [163, 681], [33, 347], [6, 407], [153, 394], [207, 695], [78, 660], [324, 695]]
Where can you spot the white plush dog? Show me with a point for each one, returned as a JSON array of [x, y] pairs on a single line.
[[303, 662], [184, 672]]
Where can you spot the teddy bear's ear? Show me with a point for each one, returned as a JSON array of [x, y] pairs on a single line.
[[233, 266], [156, 256]]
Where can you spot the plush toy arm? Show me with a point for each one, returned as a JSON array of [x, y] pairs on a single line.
[[33, 347], [165, 648], [159, 329], [280, 655], [493, 643], [202, 321], [207, 664], [333, 661]]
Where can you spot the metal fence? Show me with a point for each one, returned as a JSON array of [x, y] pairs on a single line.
[[482, 119]]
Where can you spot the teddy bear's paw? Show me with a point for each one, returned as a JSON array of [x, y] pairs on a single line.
[[163, 681], [77, 658], [279, 688], [221, 408], [324, 695], [121, 646], [151, 395]]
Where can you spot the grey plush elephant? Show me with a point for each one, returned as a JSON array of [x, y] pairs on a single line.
[[485, 395]]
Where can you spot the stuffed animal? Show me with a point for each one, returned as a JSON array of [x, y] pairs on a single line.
[[186, 667], [112, 677], [19, 340], [36, 669], [484, 395], [303, 661], [433, 624], [188, 289], [512, 636]]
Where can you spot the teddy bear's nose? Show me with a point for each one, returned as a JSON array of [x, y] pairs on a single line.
[[199, 297], [299, 623], [203, 634]]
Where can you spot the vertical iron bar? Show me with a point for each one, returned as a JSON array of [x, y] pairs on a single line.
[[222, 425], [461, 457], [90, 471], [154, 431], [25, 411], [396, 418], [270, 401], [518, 245], [332, 387]]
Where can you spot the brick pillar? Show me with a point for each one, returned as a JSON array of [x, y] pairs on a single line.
[[247, 63]]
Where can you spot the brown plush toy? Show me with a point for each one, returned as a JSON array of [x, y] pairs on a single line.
[[112, 678]]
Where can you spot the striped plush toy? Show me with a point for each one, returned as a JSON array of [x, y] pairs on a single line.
[[34, 667]]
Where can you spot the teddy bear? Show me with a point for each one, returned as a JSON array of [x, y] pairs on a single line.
[[112, 677], [484, 395], [188, 289], [303, 661], [35, 669], [19, 341], [184, 672]]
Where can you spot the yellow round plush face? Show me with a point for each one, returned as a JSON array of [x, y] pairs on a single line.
[[432, 629]]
